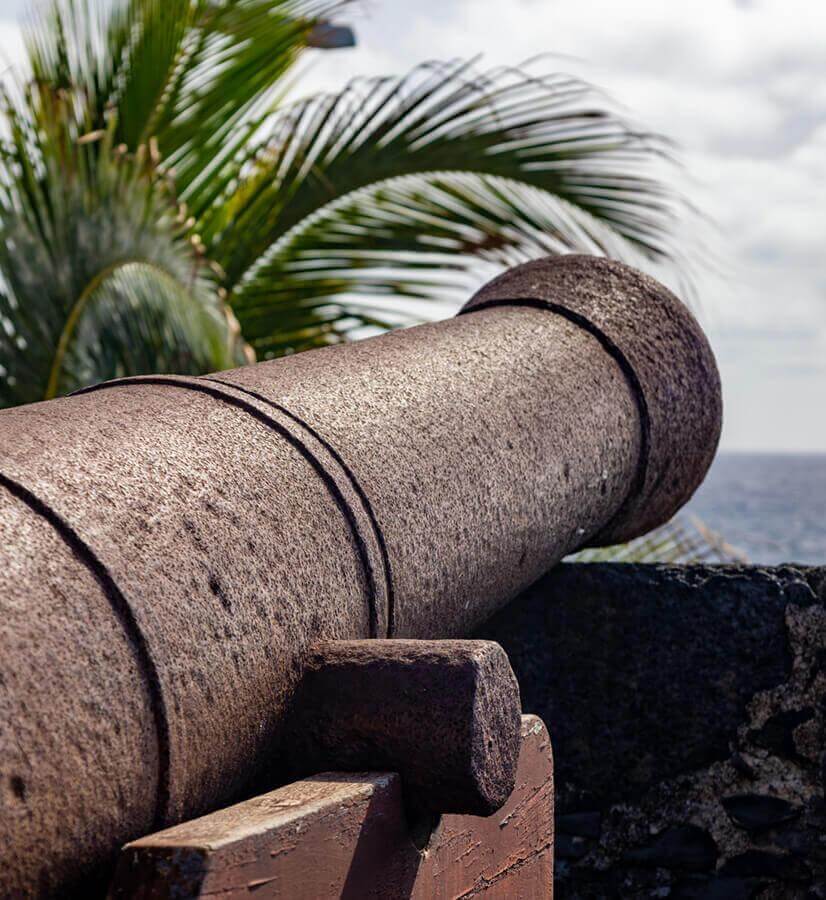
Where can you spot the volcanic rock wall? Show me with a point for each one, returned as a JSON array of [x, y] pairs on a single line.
[[687, 709]]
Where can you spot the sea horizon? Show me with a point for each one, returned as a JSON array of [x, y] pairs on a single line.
[[771, 505]]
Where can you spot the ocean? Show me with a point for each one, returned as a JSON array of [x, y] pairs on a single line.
[[770, 506]]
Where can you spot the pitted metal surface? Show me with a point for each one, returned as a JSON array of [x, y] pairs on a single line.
[[366, 529], [663, 352], [488, 445], [174, 546], [443, 714]]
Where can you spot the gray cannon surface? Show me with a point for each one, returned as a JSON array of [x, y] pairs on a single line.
[[171, 548]]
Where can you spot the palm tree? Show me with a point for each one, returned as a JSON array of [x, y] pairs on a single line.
[[164, 207]]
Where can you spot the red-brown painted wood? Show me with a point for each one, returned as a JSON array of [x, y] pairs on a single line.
[[345, 835]]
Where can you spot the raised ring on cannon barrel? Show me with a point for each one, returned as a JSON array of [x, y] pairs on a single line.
[[173, 548]]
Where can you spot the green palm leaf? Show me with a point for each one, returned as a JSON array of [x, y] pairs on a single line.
[[102, 272], [153, 179], [425, 238], [137, 318], [544, 132], [192, 76], [97, 276]]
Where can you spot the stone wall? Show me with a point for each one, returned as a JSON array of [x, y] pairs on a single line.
[[686, 707]]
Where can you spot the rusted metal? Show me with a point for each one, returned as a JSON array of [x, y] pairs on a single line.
[[348, 836], [171, 547], [443, 714]]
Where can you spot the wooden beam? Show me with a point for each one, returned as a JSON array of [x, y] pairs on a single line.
[[346, 835]]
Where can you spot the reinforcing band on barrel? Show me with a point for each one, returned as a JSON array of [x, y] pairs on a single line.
[[641, 471], [124, 614], [330, 479], [201, 386], [354, 483], [120, 604]]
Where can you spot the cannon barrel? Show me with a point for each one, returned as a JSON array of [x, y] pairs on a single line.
[[171, 548]]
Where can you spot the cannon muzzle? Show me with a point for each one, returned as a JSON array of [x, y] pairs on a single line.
[[174, 547]]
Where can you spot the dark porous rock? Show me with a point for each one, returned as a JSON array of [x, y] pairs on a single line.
[[569, 846], [765, 863], [742, 765], [584, 824], [816, 812], [685, 847], [644, 669], [687, 705], [755, 812], [713, 889], [777, 734], [802, 841]]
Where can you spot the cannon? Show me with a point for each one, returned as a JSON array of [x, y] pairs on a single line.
[[176, 549]]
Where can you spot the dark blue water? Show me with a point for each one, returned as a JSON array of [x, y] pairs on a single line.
[[773, 507]]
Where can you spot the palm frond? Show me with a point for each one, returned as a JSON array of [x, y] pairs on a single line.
[[191, 76], [229, 83], [137, 320], [545, 131], [431, 237], [93, 257], [684, 540], [148, 163]]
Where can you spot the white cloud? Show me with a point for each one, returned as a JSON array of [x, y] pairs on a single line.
[[742, 88]]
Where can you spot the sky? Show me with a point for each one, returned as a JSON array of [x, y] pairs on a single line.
[[740, 85]]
